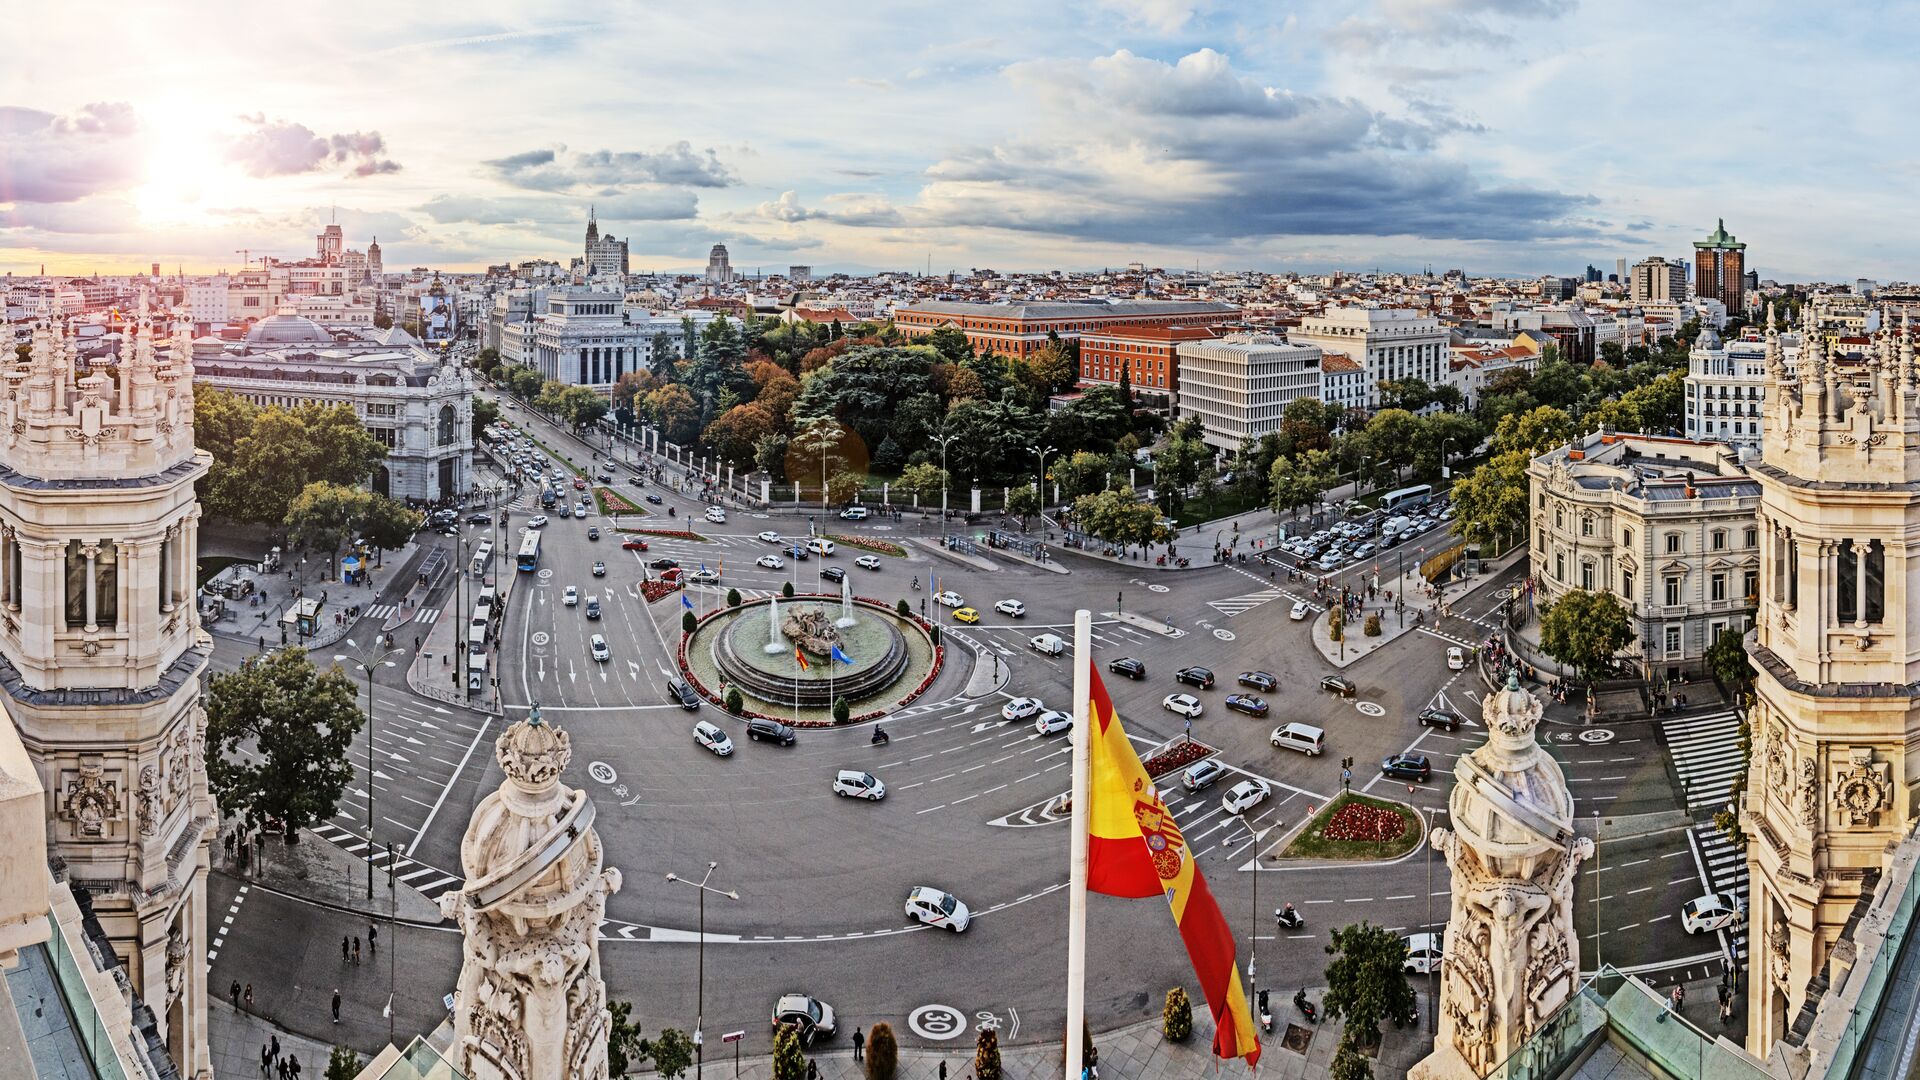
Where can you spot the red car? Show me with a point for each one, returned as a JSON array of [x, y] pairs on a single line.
[[633, 543]]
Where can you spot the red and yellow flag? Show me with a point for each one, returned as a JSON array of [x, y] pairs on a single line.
[[1134, 849], [798, 658]]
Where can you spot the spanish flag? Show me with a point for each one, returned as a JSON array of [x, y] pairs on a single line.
[[799, 658], [1135, 850]]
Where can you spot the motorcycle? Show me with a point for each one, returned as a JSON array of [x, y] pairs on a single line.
[[1289, 918], [1266, 1014], [880, 736], [1306, 1007], [673, 511]]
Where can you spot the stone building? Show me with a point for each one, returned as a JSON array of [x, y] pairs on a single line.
[[604, 254], [1239, 385], [1725, 386], [1390, 343]]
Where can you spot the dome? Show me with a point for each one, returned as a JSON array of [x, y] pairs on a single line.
[[286, 328]]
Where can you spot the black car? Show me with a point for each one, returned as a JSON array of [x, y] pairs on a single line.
[[1128, 666], [1445, 718], [679, 691], [664, 564], [833, 574], [654, 499], [1259, 680], [593, 532], [1195, 676], [1339, 684], [479, 519], [761, 727], [796, 553], [1248, 704], [1408, 767]]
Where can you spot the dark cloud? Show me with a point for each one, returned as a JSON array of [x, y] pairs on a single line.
[[46, 158], [654, 205], [284, 148], [606, 170]]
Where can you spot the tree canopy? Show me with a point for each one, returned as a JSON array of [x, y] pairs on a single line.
[[1585, 629], [297, 724]]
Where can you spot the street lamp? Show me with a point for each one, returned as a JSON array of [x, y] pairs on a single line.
[[367, 660], [700, 1000], [1040, 480], [945, 483]]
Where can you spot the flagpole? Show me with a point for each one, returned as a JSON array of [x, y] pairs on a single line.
[[1083, 722]]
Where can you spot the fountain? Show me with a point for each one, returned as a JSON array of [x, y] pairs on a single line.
[[774, 646], [784, 654], [846, 604]]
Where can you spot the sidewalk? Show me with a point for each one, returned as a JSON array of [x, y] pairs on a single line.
[[330, 876], [253, 623]]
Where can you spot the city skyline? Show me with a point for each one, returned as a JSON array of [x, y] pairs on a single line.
[[1501, 136]]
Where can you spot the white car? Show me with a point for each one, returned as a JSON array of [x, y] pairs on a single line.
[[1424, 953], [1456, 659], [598, 647], [868, 562], [1299, 611], [854, 784], [854, 513], [537, 521], [704, 577], [580, 510], [1705, 914], [571, 596], [771, 562], [949, 599], [1020, 708], [1184, 704], [770, 537], [1053, 722], [1244, 796], [1011, 607], [716, 515], [711, 737], [935, 908]]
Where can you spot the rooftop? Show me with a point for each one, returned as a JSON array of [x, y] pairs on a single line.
[[1068, 309]]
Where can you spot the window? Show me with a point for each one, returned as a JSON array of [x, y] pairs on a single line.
[[1559, 566], [1719, 539], [1586, 525], [1586, 576], [1874, 602], [1540, 539], [1626, 586], [1543, 500], [1559, 518], [1673, 590], [1673, 543], [1846, 583], [1750, 586], [1752, 538], [1626, 537], [1673, 641], [1717, 587]]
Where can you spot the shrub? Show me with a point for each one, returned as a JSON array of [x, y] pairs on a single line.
[[786, 590], [788, 1062], [688, 622], [1176, 1017], [1371, 627], [934, 633], [342, 1064], [986, 1055], [883, 1053], [1349, 1063], [904, 609], [841, 710], [733, 597], [734, 701], [1336, 623]]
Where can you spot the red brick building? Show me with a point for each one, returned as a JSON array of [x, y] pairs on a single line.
[[1021, 329], [1149, 355]]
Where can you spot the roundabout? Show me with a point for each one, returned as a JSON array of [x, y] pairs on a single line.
[[793, 658]]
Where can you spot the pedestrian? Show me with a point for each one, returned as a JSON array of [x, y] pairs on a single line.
[[813, 1070], [344, 956], [234, 993], [1189, 727], [943, 1070], [373, 939], [1726, 1004], [280, 1069], [273, 1043], [859, 1045], [293, 1066], [266, 1058], [356, 949], [336, 1004], [246, 997]]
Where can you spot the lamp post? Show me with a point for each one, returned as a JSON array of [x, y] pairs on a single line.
[[946, 482], [700, 994], [1596, 892], [367, 661], [1040, 480]]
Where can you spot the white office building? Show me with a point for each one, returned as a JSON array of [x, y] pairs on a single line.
[[1390, 343], [1726, 387], [1238, 385]]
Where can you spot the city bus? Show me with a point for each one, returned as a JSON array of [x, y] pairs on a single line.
[[529, 551], [1407, 498]]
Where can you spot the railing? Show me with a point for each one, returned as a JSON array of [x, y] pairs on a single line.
[[1867, 1006], [89, 1030]]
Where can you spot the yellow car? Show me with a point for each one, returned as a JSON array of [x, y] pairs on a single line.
[[966, 614]]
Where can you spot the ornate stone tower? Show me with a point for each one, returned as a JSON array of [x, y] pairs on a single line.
[[530, 1004], [1836, 647], [101, 648], [1511, 954]]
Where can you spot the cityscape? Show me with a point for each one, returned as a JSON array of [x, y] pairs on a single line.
[[1150, 539]]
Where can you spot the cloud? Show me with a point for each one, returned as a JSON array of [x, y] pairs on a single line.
[[1438, 22], [1164, 16], [57, 159], [869, 84], [656, 205], [546, 170], [845, 208], [284, 148]]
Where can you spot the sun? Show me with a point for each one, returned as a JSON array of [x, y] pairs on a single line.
[[186, 173]]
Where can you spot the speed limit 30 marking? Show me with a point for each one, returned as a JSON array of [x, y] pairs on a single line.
[[602, 772], [937, 1022]]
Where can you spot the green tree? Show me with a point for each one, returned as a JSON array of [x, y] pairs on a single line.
[[674, 412], [1306, 424], [295, 724], [583, 406], [220, 421], [625, 1047], [1349, 1060], [882, 1053], [342, 1064], [1727, 659], [952, 345], [485, 414], [788, 1062], [1336, 624], [1410, 394], [1023, 503], [923, 480], [1585, 629], [1490, 503], [525, 383], [866, 389], [1455, 433], [786, 590], [842, 710], [688, 621], [388, 524], [844, 485], [338, 446], [671, 1052], [986, 1055], [323, 515], [1299, 481], [1178, 464], [1366, 982], [733, 597], [1081, 473], [1391, 435], [382, 321], [735, 700]]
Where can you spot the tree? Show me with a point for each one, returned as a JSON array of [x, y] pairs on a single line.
[[1176, 1016], [687, 622], [921, 480], [1306, 424], [735, 702], [1055, 368], [671, 1052], [888, 457], [1349, 1060], [485, 414], [844, 485], [323, 515], [986, 1054], [1453, 434], [786, 590], [342, 1064], [1410, 394], [220, 421], [733, 597], [382, 321], [582, 406], [1727, 659], [673, 411], [1366, 982], [625, 1047], [1585, 629], [788, 1062], [1491, 501], [388, 524], [631, 387], [1299, 481], [525, 383], [338, 446], [298, 723], [1178, 464], [882, 1053], [1023, 503], [736, 433], [1390, 436], [865, 388], [1336, 624], [841, 709], [1080, 473]]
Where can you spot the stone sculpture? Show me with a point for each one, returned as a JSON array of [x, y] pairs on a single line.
[[1510, 958], [812, 630]]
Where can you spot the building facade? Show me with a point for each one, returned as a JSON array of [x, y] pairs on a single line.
[[585, 339], [1665, 525], [1022, 329], [1658, 279], [604, 254], [1145, 353], [719, 266], [1343, 382], [1389, 343], [1720, 269], [1239, 385], [1726, 386]]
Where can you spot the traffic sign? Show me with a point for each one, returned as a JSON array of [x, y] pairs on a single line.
[[733, 1036]]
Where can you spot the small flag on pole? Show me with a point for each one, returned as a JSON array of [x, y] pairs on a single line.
[[841, 656], [800, 658], [685, 602]]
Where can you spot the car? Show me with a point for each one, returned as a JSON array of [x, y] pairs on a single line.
[[1704, 914], [1244, 796], [681, 693], [713, 738], [571, 596], [593, 532], [770, 537], [636, 481], [580, 510], [479, 519], [1053, 722], [820, 546], [868, 562], [833, 574], [1438, 717], [654, 499], [599, 569], [854, 513], [1202, 773], [1020, 708], [1338, 684], [1195, 676], [1300, 610], [935, 908], [597, 645], [1456, 658], [579, 483], [854, 784], [1247, 703], [593, 607], [704, 576], [1363, 551], [1047, 644], [1184, 704], [949, 598], [771, 562], [1013, 608], [1128, 666], [795, 552], [1259, 680], [716, 515], [537, 521], [766, 728], [1407, 767], [812, 1018], [1424, 953], [966, 615], [633, 543], [664, 564]]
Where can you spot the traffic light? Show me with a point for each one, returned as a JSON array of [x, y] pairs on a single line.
[[1346, 763]]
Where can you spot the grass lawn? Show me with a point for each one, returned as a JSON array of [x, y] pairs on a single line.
[[1223, 503], [1312, 844]]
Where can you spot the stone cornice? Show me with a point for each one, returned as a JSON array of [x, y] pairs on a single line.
[[185, 667], [190, 469], [1770, 662]]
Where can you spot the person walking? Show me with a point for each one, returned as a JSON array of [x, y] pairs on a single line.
[[345, 956], [246, 997], [1726, 1004], [813, 1070], [356, 950], [274, 1042], [336, 1005], [266, 1058], [234, 993], [293, 1066], [859, 1045], [373, 939]]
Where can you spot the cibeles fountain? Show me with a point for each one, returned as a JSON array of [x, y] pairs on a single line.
[[1511, 957], [795, 656]]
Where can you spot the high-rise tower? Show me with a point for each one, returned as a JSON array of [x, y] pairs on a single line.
[[1836, 650], [101, 649], [1720, 269]]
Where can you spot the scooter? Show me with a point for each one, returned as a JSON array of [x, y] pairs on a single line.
[[1266, 1014], [673, 511], [1289, 918], [1306, 1007], [880, 736]]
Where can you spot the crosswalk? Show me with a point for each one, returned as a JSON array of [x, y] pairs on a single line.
[[1706, 756], [1236, 605], [429, 881], [382, 612], [1725, 867], [427, 616]]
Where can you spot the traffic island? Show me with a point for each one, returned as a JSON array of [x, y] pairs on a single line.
[[1356, 828]]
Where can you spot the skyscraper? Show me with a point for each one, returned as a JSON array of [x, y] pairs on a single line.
[[719, 269], [604, 254], [1720, 267], [1656, 279]]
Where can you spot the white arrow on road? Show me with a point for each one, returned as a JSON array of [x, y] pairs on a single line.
[[984, 725], [633, 670], [571, 674], [969, 708]]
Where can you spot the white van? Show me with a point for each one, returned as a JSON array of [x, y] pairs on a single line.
[[820, 546], [1305, 738], [1048, 644]]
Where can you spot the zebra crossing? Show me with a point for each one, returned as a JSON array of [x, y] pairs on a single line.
[[1237, 605], [1706, 755], [1724, 867], [382, 612], [429, 881], [427, 616]]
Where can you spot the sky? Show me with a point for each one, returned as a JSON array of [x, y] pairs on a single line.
[[1496, 136]]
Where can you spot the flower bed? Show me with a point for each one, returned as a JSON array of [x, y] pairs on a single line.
[[1177, 756], [677, 534], [878, 547], [612, 502], [653, 589], [1357, 827], [1358, 821]]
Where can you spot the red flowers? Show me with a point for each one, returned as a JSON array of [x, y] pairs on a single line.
[[1363, 821], [1174, 757], [880, 547], [653, 589], [612, 502], [680, 534]]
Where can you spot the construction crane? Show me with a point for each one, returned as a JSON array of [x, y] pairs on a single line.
[[246, 256]]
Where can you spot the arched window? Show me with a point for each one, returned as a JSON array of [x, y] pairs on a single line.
[[448, 418], [1874, 602], [1846, 578]]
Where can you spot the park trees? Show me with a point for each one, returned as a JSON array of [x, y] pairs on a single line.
[[485, 414], [736, 432], [673, 411], [297, 722], [1366, 980], [1299, 481], [924, 480], [264, 457], [1532, 433], [865, 387], [1490, 503], [1585, 629]]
